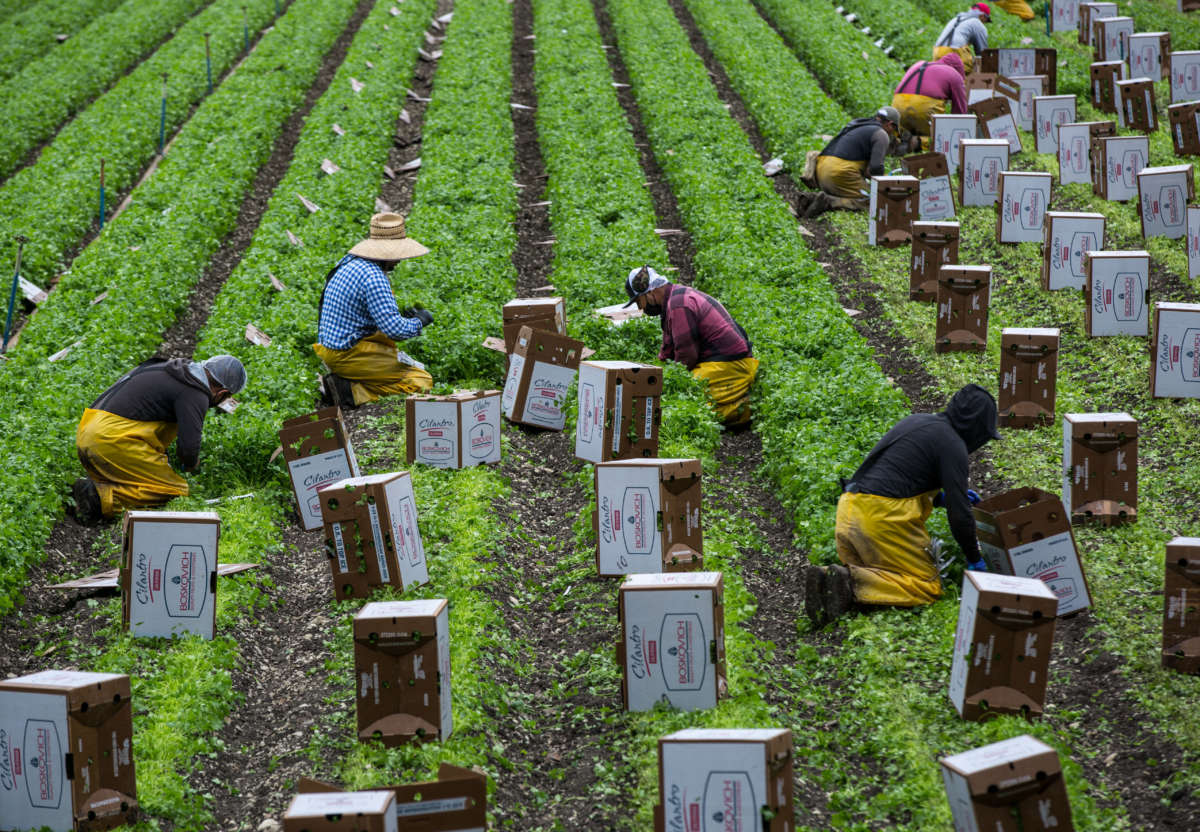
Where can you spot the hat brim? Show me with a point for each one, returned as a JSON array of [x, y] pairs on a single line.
[[401, 248]]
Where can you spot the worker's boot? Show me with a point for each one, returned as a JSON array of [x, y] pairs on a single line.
[[803, 200], [814, 595], [819, 205], [839, 592], [87, 501], [336, 390]]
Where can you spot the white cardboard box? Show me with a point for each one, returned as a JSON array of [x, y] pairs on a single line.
[[1176, 372], [617, 398], [1031, 86], [1185, 76], [169, 573], [310, 474], [1146, 57], [1125, 156], [673, 640], [936, 200], [644, 508], [980, 165], [947, 131], [1193, 242], [1052, 560], [457, 431], [1065, 16], [1117, 285], [372, 810], [547, 389], [1049, 111], [1114, 34], [990, 787], [1024, 197], [1163, 193], [1074, 154], [1098, 10], [1005, 127], [1069, 237]]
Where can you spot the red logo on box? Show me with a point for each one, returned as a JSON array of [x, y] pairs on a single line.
[[652, 652]]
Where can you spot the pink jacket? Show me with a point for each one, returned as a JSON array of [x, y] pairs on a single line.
[[941, 79]]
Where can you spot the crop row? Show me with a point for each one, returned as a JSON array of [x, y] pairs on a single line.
[[34, 31], [147, 260]]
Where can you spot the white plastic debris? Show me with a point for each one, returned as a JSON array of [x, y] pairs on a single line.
[[773, 166]]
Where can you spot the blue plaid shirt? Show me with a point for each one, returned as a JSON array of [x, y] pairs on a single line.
[[358, 301]]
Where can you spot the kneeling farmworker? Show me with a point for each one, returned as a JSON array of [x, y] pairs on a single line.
[[924, 91], [360, 321], [847, 162], [700, 334], [881, 537], [122, 438]]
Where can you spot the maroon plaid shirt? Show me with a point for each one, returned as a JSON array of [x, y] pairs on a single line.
[[697, 328]]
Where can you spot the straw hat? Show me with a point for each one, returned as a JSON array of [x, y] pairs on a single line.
[[388, 241]]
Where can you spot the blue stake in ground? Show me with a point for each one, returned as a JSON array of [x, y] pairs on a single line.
[[12, 294], [102, 193], [245, 30], [162, 120], [208, 60]]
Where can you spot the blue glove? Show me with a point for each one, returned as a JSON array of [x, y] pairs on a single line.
[[939, 499], [973, 496], [978, 566]]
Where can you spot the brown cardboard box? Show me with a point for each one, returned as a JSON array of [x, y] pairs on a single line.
[[1070, 235], [947, 131], [456, 431], [1163, 196], [1006, 786], [1021, 207], [1185, 76], [647, 516], [402, 663], [1110, 37], [996, 121], [980, 162], [67, 742], [620, 410], [1050, 111], [962, 308], [1187, 6], [1181, 606], [1115, 166], [1147, 54], [1064, 15], [1116, 295], [373, 811], [1100, 467], [318, 451], [1012, 62], [935, 244], [1032, 86], [169, 573], [936, 195], [1002, 646], [1185, 128], [1028, 376], [1074, 142], [993, 83], [672, 647], [548, 314], [541, 368], [1175, 351], [1137, 104], [1089, 12], [455, 802], [738, 778], [893, 206], [1105, 75], [1026, 532]]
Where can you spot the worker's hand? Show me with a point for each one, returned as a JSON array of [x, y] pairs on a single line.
[[973, 496], [423, 315], [978, 566], [939, 499]]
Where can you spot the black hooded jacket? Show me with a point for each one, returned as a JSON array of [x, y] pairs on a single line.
[[928, 451], [162, 391]]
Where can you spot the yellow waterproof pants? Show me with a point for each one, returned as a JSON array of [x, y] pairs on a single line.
[[882, 540], [844, 182], [127, 460], [729, 387], [964, 52], [1018, 7], [915, 111], [373, 370]]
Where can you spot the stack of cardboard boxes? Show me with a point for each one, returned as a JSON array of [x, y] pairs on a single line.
[[318, 452]]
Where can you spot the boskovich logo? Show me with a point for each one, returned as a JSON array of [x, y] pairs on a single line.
[[637, 520], [1125, 169], [729, 804], [1171, 205], [1049, 122], [1033, 205], [682, 640], [6, 761], [1187, 77], [482, 440], [1186, 354], [186, 586], [985, 176], [436, 448], [1123, 298], [41, 753], [1081, 243]]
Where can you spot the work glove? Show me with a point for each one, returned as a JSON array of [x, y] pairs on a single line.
[[939, 499], [420, 313], [978, 566], [973, 496]]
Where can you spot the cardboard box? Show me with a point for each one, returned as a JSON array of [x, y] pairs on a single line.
[[1163, 196], [672, 647], [647, 516], [1193, 242], [1009, 785], [980, 162], [1100, 467], [1064, 15], [373, 811], [1105, 75], [402, 661], [169, 573], [935, 244], [1002, 646], [1069, 236], [1185, 128], [984, 85], [962, 308], [996, 121], [1185, 76], [1075, 149], [1050, 111], [67, 742], [1175, 372], [1110, 37], [456, 431], [1028, 376], [372, 537], [1117, 293], [1089, 12], [1023, 61], [1024, 197], [947, 131], [1121, 157], [318, 451], [620, 410], [1181, 606], [725, 778], [893, 206], [541, 368], [1137, 104], [1148, 53], [1026, 532], [1031, 87], [1183, 6], [547, 314], [936, 200], [455, 802]]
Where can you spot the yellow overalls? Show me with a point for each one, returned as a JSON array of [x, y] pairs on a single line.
[[883, 541], [373, 369], [729, 387], [127, 460]]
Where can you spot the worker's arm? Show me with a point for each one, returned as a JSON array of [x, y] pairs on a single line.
[[879, 146], [684, 329], [381, 303], [978, 36], [190, 408], [953, 464], [958, 96]]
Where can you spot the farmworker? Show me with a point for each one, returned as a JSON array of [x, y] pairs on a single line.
[[964, 33], [701, 335], [360, 321], [1018, 7], [924, 90], [122, 438], [881, 537], [844, 165]]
